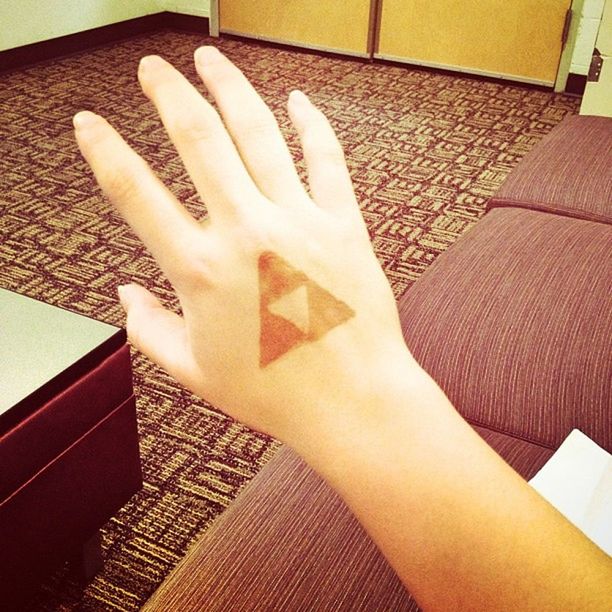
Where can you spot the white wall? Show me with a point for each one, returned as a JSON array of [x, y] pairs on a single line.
[[598, 94], [604, 38], [28, 21], [199, 8], [588, 26]]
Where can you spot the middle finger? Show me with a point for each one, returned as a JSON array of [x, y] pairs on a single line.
[[252, 126], [201, 139]]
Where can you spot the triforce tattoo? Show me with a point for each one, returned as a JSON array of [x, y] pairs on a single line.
[[293, 309]]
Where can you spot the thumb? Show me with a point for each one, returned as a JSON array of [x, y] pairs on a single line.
[[158, 333]]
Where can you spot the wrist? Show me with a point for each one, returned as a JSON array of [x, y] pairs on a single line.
[[361, 409]]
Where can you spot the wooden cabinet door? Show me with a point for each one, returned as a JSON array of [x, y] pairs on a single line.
[[516, 39], [334, 25]]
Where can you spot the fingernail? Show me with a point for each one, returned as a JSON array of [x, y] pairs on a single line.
[[151, 62], [84, 119], [206, 55], [299, 97]]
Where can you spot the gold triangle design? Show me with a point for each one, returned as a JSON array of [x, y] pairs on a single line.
[[325, 311], [278, 335]]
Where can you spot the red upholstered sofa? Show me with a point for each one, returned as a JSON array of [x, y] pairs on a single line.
[[520, 343]]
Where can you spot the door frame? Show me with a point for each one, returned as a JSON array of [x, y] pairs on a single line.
[[565, 62], [213, 23]]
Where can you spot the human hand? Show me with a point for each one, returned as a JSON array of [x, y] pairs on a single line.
[[287, 314], [290, 326]]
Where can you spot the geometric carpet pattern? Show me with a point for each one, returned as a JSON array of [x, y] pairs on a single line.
[[425, 149]]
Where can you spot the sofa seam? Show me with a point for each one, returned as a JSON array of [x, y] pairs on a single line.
[[543, 207], [514, 435]]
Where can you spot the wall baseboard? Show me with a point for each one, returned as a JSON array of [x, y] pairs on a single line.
[[20, 57], [189, 23], [11, 59], [575, 83]]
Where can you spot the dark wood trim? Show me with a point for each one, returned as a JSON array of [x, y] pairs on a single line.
[[189, 23], [10, 59], [575, 83], [374, 26]]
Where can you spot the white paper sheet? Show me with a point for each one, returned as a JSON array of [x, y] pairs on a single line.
[[577, 480]]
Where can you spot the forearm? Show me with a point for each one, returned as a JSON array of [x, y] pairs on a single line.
[[459, 526]]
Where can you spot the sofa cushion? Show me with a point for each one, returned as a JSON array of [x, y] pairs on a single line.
[[514, 322], [288, 542], [568, 172]]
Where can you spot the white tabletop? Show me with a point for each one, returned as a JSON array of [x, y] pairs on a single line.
[[38, 342]]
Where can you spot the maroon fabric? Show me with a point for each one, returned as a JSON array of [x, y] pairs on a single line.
[[568, 172], [49, 516], [54, 426], [515, 323], [289, 543]]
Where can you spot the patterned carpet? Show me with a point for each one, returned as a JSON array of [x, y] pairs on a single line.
[[425, 150]]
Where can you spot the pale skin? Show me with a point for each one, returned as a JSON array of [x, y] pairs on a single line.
[[459, 526]]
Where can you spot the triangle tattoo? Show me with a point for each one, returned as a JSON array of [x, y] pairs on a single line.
[[293, 309]]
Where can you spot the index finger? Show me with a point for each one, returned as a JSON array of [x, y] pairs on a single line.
[[156, 216], [201, 139]]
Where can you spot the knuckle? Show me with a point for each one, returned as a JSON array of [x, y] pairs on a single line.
[[333, 154], [191, 128], [194, 274], [257, 126], [221, 74], [322, 138], [323, 147], [121, 182]]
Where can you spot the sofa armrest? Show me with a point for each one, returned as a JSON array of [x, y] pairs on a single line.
[[288, 542], [569, 172]]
